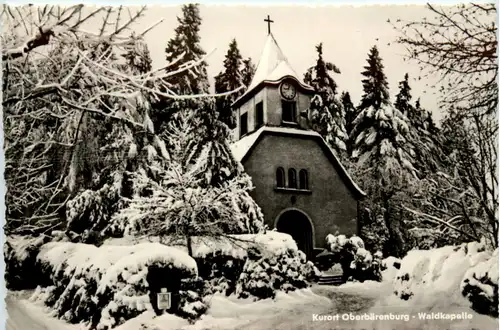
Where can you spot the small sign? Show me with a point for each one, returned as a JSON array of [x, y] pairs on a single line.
[[164, 299]]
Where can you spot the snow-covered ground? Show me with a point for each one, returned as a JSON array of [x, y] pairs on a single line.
[[295, 310], [287, 311], [25, 315], [433, 278]]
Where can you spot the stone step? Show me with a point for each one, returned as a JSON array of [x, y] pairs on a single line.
[[330, 280]]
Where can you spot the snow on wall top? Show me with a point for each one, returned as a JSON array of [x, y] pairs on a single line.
[[111, 260], [241, 147], [273, 66], [233, 245], [272, 242]]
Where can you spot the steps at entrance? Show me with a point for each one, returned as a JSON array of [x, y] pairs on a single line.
[[330, 280]]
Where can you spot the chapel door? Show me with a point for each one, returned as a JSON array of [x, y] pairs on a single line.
[[297, 225]]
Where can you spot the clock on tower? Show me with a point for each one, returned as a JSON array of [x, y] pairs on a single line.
[[288, 91]]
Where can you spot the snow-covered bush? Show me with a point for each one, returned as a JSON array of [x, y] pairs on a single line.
[[374, 231], [480, 286], [389, 267], [20, 254], [220, 270], [439, 271], [107, 285], [357, 263], [221, 260], [193, 298], [265, 273]]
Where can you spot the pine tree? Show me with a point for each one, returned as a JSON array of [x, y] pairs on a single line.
[[228, 80], [375, 85], [203, 190], [383, 154], [380, 130], [423, 134], [247, 72], [327, 116], [350, 112], [138, 57], [185, 47], [404, 97]]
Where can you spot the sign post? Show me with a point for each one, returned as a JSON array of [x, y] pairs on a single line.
[[164, 299]]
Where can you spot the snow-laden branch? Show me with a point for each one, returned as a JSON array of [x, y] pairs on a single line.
[[140, 81], [69, 24], [437, 220]]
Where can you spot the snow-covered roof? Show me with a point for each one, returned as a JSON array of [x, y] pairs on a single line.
[[242, 148], [272, 67]]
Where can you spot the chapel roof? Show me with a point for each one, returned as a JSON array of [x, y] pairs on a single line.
[[272, 67], [242, 148]]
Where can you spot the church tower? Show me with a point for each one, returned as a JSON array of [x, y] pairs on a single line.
[[277, 96], [300, 184]]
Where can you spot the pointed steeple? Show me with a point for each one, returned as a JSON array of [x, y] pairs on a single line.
[[273, 67]]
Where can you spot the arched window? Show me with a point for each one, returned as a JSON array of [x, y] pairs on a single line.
[[280, 177], [292, 178], [303, 180]]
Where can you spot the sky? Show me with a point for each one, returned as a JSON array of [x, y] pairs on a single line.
[[347, 34]]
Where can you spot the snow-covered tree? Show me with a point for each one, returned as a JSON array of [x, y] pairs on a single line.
[[247, 72], [403, 98], [76, 122], [459, 44], [230, 78], [380, 130], [383, 155], [185, 47], [327, 115], [202, 192], [350, 112], [423, 135]]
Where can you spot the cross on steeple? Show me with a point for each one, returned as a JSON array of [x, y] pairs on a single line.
[[269, 21]]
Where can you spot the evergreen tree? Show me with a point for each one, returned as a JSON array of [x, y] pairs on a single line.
[[423, 134], [185, 47], [229, 79], [383, 156], [327, 116], [248, 71], [138, 57], [404, 97], [380, 130], [350, 112], [203, 191]]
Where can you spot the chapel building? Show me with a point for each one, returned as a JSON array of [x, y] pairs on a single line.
[[300, 184]]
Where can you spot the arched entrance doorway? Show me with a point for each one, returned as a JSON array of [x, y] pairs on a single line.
[[297, 224]]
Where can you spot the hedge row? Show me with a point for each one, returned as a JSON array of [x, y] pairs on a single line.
[[107, 285]]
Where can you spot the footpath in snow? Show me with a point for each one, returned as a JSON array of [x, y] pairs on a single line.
[[289, 311], [293, 311], [25, 315]]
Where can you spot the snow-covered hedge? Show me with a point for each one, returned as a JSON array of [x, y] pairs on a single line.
[[107, 285], [480, 286], [223, 261], [227, 263], [470, 270], [20, 254], [357, 262], [266, 273], [437, 270], [389, 268], [239, 264]]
